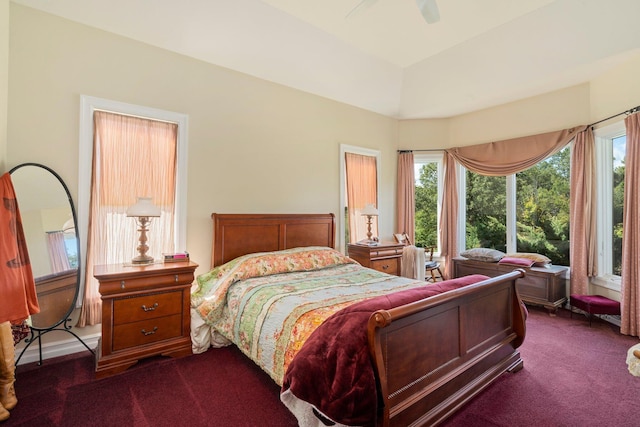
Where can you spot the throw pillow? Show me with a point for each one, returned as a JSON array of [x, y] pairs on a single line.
[[538, 259], [483, 254]]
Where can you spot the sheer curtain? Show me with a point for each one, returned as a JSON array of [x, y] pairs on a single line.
[[582, 251], [57, 252], [132, 157], [630, 299], [362, 185], [406, 196]]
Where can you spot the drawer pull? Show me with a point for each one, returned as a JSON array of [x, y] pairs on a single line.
[[384, 267], [153, 307], [146, 334], [175, 277], [122, 284]]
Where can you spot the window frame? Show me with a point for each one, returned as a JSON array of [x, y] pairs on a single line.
[[89, 104], [604, 191]]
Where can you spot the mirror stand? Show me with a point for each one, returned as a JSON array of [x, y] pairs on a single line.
[[37, 333], [50, 226]]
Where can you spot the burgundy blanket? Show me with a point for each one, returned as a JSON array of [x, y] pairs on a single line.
[[333, 370]]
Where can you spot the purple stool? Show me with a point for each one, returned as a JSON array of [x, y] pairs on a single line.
[[594, 304]]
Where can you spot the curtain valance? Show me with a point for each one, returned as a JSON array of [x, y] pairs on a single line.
[[511, 156]]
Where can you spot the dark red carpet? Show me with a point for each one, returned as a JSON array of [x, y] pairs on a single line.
[[573, 376]]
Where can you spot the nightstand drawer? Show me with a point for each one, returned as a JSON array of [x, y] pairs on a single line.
[[146, 332], [389, 266], [140, 283], [385, 257], [150, 306]]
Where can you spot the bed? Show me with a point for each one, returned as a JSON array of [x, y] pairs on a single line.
[[410, 357]]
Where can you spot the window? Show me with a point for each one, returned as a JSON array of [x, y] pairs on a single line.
[[89, 105], [526, 212], [486, 211], [542, 208], [428, 198], [371, 196], [610, 169]]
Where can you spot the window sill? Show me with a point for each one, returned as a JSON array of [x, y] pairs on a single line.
[[608, 281]]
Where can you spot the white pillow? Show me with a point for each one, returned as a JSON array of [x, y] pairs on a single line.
[[483, 254]]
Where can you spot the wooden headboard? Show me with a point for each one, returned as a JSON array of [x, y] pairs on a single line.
[[235, 235]]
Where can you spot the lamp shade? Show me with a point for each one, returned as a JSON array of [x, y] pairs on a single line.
[[144, 208], [369, 210]]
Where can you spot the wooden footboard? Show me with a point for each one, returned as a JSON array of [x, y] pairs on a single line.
[[434, 355]]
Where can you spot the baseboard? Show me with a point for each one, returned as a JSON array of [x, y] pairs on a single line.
[[57, 348], [611, 319]]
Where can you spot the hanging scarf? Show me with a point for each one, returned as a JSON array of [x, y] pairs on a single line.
[[17, 287]]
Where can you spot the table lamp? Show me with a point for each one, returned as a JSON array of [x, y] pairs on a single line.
[[369, 211], [143, 210]]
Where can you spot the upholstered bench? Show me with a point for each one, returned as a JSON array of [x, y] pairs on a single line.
[[594, 304]]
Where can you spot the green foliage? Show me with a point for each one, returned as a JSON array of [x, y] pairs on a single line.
[[426, 193], [486, 211], [618, 204], [542, 208]]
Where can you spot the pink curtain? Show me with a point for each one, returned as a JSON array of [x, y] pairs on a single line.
[[449, 215], [406, 197], [362, 186], [57, 252], [582, 239], [630, 298], [132, 157]]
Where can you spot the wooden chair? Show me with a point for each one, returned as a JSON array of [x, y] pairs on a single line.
[[432, 268]]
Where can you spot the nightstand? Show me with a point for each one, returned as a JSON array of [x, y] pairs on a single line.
[[145, 312], [385, 257]]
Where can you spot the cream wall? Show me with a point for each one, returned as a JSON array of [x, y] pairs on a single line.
[[610, 93], [254, 146], [4, 79]]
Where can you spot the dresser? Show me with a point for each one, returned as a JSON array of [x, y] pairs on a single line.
[[543, 286], [385, 257], [145, 312]]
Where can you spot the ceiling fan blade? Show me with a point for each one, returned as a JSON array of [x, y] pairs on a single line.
[[360, 7], [429, 10]]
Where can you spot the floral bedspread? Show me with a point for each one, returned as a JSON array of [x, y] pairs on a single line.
[[269, 303]]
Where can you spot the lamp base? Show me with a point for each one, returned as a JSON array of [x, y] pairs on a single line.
[[142, 259]]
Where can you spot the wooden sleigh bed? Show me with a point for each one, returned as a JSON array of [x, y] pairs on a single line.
[[430, 356]]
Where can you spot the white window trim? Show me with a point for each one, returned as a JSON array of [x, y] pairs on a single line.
[[89, 104], [604, 191], [438, 158], [344, 148]]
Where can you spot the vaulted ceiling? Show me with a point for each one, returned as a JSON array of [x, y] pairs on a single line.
[[385, 58]]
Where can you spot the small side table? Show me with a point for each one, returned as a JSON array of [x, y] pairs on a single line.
[[145, 312], [385, 257]]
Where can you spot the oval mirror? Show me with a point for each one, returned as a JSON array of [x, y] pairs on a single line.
[[49, 223]]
